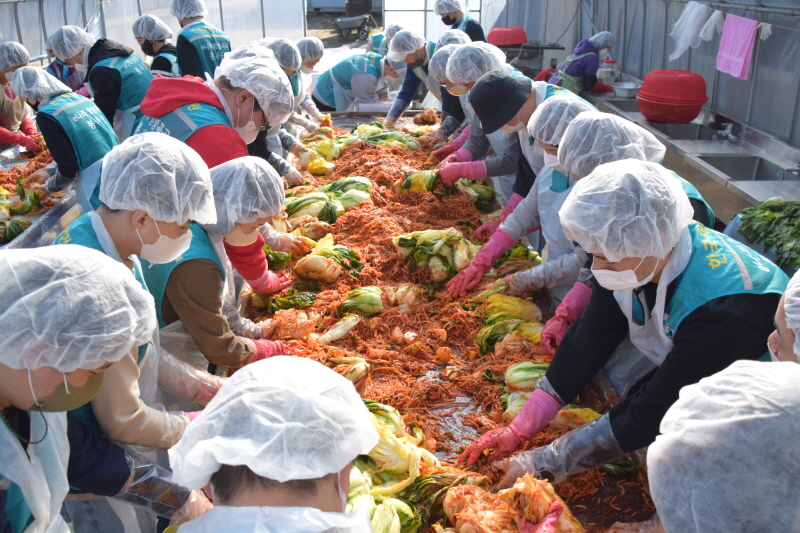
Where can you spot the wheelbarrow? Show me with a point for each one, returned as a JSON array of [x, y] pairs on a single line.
[[345, 26]]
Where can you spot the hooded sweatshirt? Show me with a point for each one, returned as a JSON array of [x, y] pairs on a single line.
[[215, 143], [585, 67], [106, 82]]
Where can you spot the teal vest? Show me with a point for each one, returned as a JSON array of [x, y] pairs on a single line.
[[157, 276], [135, 80], [16, 509], [379, 44], [369, 63], [184, 121], [210, 44], [692, 192], [82, 232], [718, 266], [173, 60], [91, 134]]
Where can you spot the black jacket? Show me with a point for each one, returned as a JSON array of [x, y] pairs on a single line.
[[106, 82]]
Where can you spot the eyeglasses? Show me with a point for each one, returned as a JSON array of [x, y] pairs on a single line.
[[264, 125]]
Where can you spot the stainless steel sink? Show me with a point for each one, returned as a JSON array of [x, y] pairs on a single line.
[[748, 167], [687, 132], [624, 104]]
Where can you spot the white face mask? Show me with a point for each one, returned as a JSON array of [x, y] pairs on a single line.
[[604, 53], [624, 280], [457, 90], [165, 249], [551, 161], [772, 354], [249, 131], [306, 70], [9, 75], [83, 67], [513, 129], [239, 238]]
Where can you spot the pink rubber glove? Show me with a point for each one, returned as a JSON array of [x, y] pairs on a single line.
[[459, 156], [28, 128], [265, 349], [457, 143], [23, 140], [547, 524], [270, 282], [83, 91], [537, 412], [191, 416], [488, 229], [472, 170], [481, 264], [567, 312]]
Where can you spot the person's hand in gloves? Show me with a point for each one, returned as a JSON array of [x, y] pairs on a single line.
[[568, 311], [270, 282], [29, 143], [481, 264], [537, 412], [461, 155], [389, 122], [294, 177], [41, 176], [548, 522], [472, 170], [521, 283], [600, 87], [286, 242], [266, 349], [457, 143], [196, 506], [297, 148], [488, 229]]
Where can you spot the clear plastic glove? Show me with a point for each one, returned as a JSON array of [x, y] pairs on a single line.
[[313, 112], [472, 170], [266, 349], [270, 282], [150, 487], [519, 285], [186, 381], [308, 125], [293, 177], [41, 176], [548, 522], [285, 242], [297, 148], [461, 155], [389, 122], [537, 412], [568, 311], [481, 264], [196, 506]]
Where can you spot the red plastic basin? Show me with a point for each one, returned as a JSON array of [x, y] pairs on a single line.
[[508, 36], [668, 85], [668, 112]]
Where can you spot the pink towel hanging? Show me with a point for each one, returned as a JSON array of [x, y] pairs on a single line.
[[736, 46]]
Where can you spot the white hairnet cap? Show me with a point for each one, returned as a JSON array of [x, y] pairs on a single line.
[[453, 37], [33, 82], [311, 48], [727, 457], [245, 189], [160, 175], [285, 418], [604, 39], [627, 209], [391, 31], [13, 54], [270, 86], [250, 50], [69, 41], [449, 6], [151, 28], [552, 117], [473, 60], [791, 306], [286, 52], [594, 138], [69, 307], [437, 67], [186, 9], [404, 43]]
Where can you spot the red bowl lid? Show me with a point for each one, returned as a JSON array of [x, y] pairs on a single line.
[[671, 102], [509, 36], [670, 85]]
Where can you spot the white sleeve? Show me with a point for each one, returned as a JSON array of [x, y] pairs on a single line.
[[525, 216]]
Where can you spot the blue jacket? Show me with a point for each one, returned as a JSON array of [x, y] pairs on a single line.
[[585, 67]]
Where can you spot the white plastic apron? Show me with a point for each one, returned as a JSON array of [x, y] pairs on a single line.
[[124, 121], [531, 150], [41, 474], [276, 520], [86, 183], [434, 87], [469, 112], [343, 99], [549, 202], [274, 141], [650, 338], [503, 185]]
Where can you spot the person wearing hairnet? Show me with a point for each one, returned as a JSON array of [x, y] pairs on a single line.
[[311, 51], [416, 53], [16, 126], [590, 140], [290, 59], [453, 13], [201, 45], [362, 78], [465, 67], [724, 462], [437, 67], [53, 359], [379, 42], [194, 293], [277, 446], [77, 134], [539, 209], [220, 117], [153, 35], [117, 79], [69, 76], [690, 298], [784, 342], [578, 72]]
